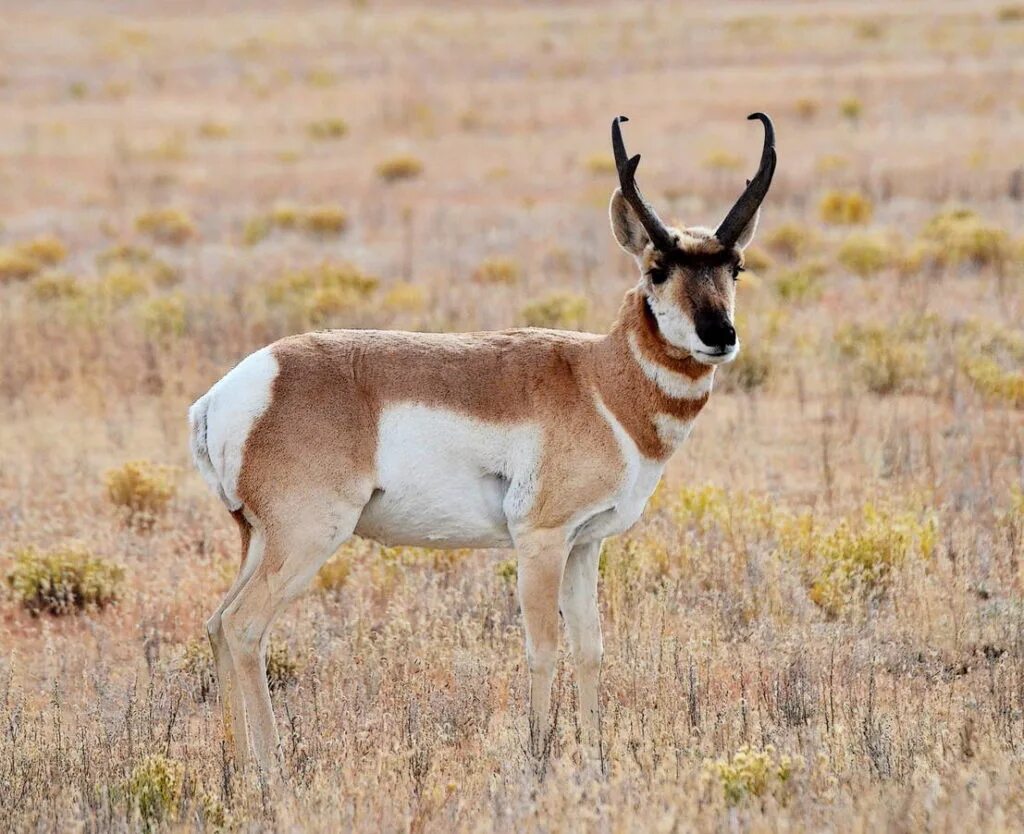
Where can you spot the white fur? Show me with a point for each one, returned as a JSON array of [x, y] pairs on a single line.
[[681, 333], [672, 431], [674, 384], [447, 479], [223, 417], [640, 476]]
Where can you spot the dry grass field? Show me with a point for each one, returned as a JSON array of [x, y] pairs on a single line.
[[818, 624]]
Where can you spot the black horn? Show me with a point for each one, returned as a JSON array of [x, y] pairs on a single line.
[[750, 200], [626, 166]]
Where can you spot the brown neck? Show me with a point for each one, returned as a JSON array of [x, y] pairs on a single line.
[[636, 400]]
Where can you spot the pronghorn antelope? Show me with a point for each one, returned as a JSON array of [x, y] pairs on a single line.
[[544, 440]]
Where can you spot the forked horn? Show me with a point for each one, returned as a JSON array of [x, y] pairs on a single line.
[[626, 166], [750, 200]]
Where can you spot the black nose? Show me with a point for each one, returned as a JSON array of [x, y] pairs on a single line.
[[716, 331]]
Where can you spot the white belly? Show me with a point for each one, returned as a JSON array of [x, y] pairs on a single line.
[[447, 480]]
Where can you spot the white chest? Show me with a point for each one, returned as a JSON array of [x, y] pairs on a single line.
[[620, 511]]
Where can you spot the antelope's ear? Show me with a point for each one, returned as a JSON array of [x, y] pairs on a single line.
[[747, 235], [626, 226]]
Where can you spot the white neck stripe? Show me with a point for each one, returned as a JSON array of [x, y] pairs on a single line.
[[672, 383]]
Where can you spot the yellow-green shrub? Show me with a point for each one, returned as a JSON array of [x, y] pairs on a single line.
[[507, 570], [324, 221], [1010, 14], [995, 382], [56, 286], [166, 225], [791, 240], [124, 254], [142, 489], [164, 317], [722, 160], [497, 270], [285, 215], [806, 108], [851, 108], [399, 168], [154, 789], [752, 773], [256, 230], [800, 283], [65, 580], [600, 164], [405, 297], [885, 359], [330, 128], [845, 208], [282, 667], [854, 560], [866, 254], [46, 250], [121, 285], [322, 291], [212, 129], [960, 236], [335, 574], [16, 265], [558, 309]]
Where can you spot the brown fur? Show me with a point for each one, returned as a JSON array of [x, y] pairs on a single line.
[[320, 430], [244, 529]]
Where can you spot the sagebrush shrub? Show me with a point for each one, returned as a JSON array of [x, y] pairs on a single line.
[[154, 789], [801, 283], [16, 266], [791, 240], [961, 237], [65, 580], [329, 128], [497, 270], [887, 359], [318, 293], [845, 208], [282, 667], [399, 168], [166, 225], [47, 250], [142, 489], [853, 561], [56, 286], [866, 254], [752, 772], [563, 310]]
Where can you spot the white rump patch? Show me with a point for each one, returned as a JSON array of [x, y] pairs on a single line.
[[232, 406], [449, 480], [672, 383]]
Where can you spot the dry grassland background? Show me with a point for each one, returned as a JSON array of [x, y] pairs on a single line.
[[818, 624]]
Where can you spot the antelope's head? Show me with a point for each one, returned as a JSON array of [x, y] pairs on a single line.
[[690, 273]]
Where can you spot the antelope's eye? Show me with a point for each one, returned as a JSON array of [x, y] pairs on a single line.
[[658, 275], [736, 270]]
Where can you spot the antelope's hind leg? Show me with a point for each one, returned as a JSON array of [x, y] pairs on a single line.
[[297, 543], [232, 704]]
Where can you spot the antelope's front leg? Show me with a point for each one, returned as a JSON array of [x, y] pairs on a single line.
[[542, 556], [583, 625]]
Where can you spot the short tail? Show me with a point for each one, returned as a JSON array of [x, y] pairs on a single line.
[[197, 415]]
